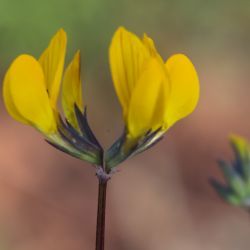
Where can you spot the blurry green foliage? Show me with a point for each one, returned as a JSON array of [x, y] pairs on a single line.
[[236, 189], [90, 23]]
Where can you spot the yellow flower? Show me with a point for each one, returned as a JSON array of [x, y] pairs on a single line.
[[31, 88], [153, 94]]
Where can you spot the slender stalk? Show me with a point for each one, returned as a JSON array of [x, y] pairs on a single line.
[[100, 226]]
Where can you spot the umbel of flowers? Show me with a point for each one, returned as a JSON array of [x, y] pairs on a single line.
[[154, 94]]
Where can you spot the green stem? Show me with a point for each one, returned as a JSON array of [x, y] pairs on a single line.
[[100, 226]]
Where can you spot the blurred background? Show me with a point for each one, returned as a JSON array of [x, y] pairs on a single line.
[[160, 199]]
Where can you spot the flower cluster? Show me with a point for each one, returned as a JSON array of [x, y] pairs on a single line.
[[153, 94]]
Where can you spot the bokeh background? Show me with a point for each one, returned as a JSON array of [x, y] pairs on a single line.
[[160, 199]]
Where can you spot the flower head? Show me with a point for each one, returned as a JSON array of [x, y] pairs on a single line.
[[153, 94], [31, 89]]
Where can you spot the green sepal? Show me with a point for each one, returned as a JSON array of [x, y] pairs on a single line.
[[57, 142], [80, 143], [125, 148]]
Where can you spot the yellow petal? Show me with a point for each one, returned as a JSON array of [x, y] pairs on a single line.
[[184, 88], [149, 44], [72, 89], [25, 95], [126, 55], [11, 108], [149, 100], [52, 61]]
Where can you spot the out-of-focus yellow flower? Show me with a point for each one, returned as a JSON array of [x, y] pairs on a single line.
[[31, 88], [240, 145], [153, 94]]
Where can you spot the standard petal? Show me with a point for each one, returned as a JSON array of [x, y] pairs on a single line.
[[149, 100], [184, 88], [25, 94], [127, 55], [52, 61], [72, 90]]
